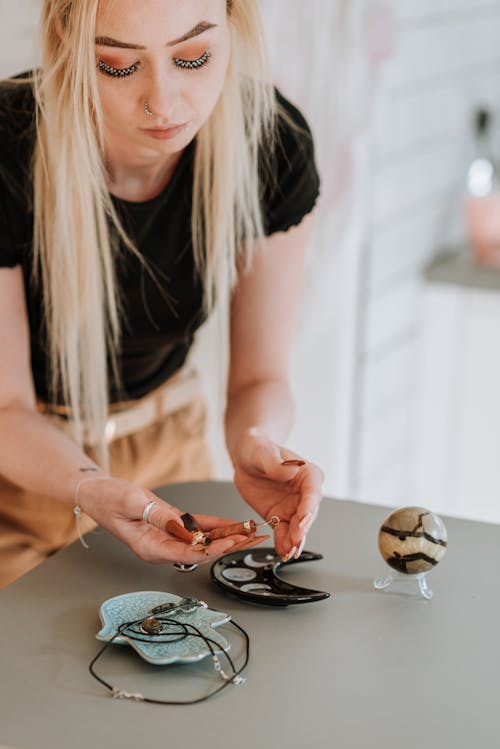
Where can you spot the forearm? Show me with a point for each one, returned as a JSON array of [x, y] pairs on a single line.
[[39, 457], [265, 407]]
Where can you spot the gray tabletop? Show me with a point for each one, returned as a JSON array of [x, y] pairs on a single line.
[[361, 669], [456, 267]]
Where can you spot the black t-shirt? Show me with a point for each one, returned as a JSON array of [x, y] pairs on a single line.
[[159, 322]]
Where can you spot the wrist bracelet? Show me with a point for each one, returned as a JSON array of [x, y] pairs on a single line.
[[77, 510]]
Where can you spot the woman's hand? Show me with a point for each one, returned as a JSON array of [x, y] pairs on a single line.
[[292, 492], [118, 506]]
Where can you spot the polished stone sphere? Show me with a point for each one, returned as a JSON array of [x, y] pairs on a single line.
[[412, 540]]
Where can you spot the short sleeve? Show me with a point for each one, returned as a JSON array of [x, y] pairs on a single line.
[[291, 183], [10, 255], [16, 147]]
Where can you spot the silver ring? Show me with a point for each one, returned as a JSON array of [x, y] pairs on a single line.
[[147, 109], [148, 509], [185, 567]]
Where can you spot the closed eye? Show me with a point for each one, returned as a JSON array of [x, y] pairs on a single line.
[[117, 72], [199, 62]]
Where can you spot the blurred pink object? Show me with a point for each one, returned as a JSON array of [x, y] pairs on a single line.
[[381, 31], [482, 220]]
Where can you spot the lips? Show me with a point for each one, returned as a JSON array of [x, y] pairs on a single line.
[[163, 133]]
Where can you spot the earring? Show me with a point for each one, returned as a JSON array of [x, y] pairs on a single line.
[[147, 109]]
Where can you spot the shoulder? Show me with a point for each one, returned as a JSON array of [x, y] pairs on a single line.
[[17, 128], [291, 124], [290, 180], [17, 109], [292, 139]]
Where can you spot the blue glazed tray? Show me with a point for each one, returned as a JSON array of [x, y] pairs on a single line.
[[132, 606]]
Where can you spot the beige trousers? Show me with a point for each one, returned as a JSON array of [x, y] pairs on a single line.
[[33, 526]]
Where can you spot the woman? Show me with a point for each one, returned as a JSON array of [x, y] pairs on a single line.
[[146, 170]]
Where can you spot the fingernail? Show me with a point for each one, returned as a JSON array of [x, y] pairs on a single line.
[[305, 520], [290, 553], [293, 463], [301, 548], [250, 543], [258, 539]]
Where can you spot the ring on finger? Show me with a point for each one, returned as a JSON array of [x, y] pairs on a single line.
[[147, 510]]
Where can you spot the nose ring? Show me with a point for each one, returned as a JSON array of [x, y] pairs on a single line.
[[147, 109]]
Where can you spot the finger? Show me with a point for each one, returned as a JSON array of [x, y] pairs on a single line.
[[280, 464], [308, 506], [243, 546], [304, 517], [160, 513], [301, 548], [186, 554], [152, 497], [216, 548], [302, 521], [240, 543], [249, 543], [282, 540], [219, 548]]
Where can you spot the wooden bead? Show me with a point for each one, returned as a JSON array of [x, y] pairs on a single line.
[[246, 528], [412, 540], [178, 530]]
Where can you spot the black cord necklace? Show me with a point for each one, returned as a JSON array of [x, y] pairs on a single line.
[[178, 631]]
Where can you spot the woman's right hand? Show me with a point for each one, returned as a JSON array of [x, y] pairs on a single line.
[[118, 506]]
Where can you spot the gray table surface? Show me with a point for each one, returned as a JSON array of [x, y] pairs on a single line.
[[456, 267], [361, 669]]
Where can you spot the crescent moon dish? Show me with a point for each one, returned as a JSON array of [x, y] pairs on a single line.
[[254, 578]]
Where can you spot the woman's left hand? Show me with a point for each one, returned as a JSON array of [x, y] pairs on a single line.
[[291, 492]]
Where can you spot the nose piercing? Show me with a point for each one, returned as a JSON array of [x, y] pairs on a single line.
[[147, 109]]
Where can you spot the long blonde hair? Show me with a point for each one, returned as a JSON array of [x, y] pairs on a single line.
[[75, 252]]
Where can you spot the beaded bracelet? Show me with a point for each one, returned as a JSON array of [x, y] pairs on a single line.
[[77, 510]]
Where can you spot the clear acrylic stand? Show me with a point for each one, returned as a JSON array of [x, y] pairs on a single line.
[[405, 583]]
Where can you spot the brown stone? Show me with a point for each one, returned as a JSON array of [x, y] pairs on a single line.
[[412, 540]]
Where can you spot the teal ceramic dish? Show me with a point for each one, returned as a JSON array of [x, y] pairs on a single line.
[[133, 606]]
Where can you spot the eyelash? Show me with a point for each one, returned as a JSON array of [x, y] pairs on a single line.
[[193, 64], [178, 62], [117, 72]]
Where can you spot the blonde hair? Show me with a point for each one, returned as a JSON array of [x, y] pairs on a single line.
[[74, 250]]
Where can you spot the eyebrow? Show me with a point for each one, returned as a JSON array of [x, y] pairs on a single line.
[[107, 41]]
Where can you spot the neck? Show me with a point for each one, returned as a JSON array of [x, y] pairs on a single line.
[[136, 179]]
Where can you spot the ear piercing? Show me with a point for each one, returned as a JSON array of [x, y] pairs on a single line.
[[147, 109]]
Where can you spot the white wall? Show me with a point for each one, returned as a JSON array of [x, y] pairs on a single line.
[[447, 62], [17, 35], [325, 58], [459, 414]]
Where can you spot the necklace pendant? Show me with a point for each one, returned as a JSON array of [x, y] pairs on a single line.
[[151, 626]]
